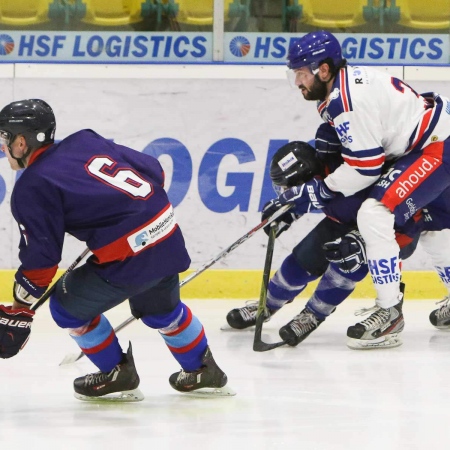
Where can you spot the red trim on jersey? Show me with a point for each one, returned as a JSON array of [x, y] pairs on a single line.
[[424, 123], [100, 347], [35, 155], [402, 239], [344, 93], [120, 249], [190, 346], [376, 162], [41, 277], [185, 324], [431, 154]]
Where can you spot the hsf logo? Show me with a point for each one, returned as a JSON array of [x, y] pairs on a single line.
[[240, 46], [6, 44]]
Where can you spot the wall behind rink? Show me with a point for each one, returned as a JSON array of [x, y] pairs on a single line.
[[214, 129]]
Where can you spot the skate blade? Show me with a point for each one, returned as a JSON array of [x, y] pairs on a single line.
[[390, 341], [71, 358], [225, 391], [117, 397]]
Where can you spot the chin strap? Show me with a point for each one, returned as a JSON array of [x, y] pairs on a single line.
[[20, 161]]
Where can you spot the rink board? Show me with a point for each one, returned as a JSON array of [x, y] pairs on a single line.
[[246, 284]]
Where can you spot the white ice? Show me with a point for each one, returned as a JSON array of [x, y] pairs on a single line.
[[319, 395]]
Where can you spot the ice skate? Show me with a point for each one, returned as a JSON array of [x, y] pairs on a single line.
[[119, 385], [299, 328], [245, 317], [380, 330], [208, 381], [440, 317]]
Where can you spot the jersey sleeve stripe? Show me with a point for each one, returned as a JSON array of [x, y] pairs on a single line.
[[40, 277], [426, 126], [345, 91]]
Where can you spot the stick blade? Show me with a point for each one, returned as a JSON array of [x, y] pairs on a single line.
[[264, 347], [71, 358]]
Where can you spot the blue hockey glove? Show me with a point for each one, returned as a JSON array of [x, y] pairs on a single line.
[[283, 222], [309, 196], [15, 329], [327, 140], [349, 252]]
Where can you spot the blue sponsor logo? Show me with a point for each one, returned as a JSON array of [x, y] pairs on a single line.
[[141, 239], [343, 128], [384, 271], [6, 44], [240, 46]]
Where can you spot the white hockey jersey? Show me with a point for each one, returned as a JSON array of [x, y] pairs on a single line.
[[378, 118]]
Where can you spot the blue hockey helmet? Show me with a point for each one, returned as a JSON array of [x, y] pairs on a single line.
[[312, 49]]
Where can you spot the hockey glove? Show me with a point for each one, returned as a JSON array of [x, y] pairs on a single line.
[[283, 222], [349, 252], [15, 328], [309, 196], [327, 141]]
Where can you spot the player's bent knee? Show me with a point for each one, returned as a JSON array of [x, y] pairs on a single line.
[[61, 317], [165, 320]]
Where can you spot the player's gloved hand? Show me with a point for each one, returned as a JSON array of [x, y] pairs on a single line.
[[283, 222], [327, 140], [309, 196], [15, 328], [348, 252], [328, 147]]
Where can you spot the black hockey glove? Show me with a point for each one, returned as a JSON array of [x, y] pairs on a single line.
[[283, 222], [15, 329], [349, 252]]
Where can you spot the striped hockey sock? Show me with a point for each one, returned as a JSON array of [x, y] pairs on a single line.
[[184, 335]]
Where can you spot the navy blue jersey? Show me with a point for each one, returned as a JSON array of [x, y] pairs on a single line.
[[104, 194]]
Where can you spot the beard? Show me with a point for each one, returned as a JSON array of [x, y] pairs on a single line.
[[318, 91]]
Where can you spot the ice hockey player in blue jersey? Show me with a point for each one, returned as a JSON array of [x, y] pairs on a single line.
[[112, 198]]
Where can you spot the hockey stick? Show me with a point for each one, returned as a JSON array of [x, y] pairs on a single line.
[[71, 358], [258, 344], [50, 291]]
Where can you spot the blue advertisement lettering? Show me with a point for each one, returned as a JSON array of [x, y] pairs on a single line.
[[241, 182], [181, 166], [267, 191], [101, 47]]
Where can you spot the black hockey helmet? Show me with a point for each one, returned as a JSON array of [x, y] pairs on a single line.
[[34, 119], [295, 163]]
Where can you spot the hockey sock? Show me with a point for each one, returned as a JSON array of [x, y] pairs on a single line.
[[289, 280], [95, 338], [437, 245], [376, 225], [333, 288], [184, 335]]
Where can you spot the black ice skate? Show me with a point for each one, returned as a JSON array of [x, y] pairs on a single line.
[[440, 317], [380, 330], [119, 385], [241, 318], [209, 380], [299, 328]]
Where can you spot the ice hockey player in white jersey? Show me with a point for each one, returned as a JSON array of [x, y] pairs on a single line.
[[393, 138]]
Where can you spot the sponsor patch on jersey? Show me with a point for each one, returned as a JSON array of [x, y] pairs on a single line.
[[153, 232]]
